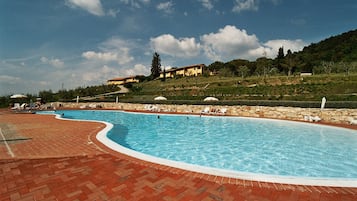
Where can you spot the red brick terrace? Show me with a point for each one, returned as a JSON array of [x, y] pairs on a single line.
[[45, 158]]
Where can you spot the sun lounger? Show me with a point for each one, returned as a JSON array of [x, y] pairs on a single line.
[[312, 118], [222, 111], [205, 111], [16, 106], [23, 106], [152, 108], [352, 121]]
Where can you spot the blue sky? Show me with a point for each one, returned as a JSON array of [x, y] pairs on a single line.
[[70, 43]]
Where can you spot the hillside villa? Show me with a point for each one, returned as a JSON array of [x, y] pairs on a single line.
[[193, 70], [125, 80]]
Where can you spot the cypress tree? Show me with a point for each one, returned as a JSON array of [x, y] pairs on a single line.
[[155, 65]]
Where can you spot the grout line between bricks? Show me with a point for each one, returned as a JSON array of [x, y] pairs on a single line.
[[7, 145]]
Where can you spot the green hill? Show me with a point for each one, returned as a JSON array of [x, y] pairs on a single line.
[[333, 62], [336, 49], [337, 54]]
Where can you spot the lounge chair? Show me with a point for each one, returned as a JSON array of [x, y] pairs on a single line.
[[223, 111], [316, 119], [352, 121], [16, 106], [92, 106], [205, 111], [22, 106], [312, 118], [154, 108]]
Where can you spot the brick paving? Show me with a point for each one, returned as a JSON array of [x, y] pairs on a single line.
[[61, 160]]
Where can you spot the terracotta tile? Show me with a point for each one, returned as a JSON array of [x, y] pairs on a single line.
[[59, 164]]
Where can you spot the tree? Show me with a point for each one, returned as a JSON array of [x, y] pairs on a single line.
[[263, 66], [155, 65], [280, 53], [327, 66], [279, 59], [243, 71], [47, 96], [215, 66], [164, 78], [290, 62], [226, 72], [346, 68]]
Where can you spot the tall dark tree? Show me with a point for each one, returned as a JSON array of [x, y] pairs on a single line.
[[280, 53], [290, 63], [155, 65], [279, 59], [164, 78]]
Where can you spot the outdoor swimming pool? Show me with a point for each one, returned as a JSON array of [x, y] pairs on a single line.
[[234, 145]]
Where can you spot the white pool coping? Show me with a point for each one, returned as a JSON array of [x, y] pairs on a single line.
[[307, 181]]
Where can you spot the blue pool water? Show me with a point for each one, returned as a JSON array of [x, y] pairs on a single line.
[[251, 145]]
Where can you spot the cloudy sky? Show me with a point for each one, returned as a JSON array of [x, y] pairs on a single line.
[[70, 43]]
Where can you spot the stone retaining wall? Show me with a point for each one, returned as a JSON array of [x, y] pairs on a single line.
[[343, 116]]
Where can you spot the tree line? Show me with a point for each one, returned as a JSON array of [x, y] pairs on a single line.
[[289, 64]]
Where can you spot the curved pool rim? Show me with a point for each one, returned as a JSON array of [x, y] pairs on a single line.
[[310, 181]]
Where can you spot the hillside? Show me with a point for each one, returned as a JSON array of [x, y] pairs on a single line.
[[337, 87], [338, 48], [333, 62], [337, 54]]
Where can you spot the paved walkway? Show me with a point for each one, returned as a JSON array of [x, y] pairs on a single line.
[[49, 159]]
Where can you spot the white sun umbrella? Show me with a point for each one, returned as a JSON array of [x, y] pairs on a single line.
[[323, 102], [160, 98], [18, 96], [210, 99]]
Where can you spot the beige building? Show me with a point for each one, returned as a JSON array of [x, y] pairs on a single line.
[[193, 70], [121, 81]]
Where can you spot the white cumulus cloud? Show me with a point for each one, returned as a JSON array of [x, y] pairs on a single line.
[[113, 49], [242, 5], [103, 56], [293, 45], [92, 6], [121, 57], [182, 47], [232, 43], [138, 69], [228, 43]]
